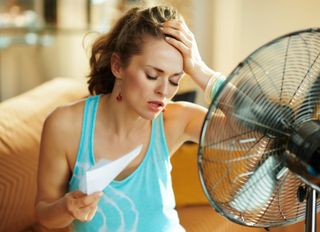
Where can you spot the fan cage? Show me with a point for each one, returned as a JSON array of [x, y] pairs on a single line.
[[283, 72]]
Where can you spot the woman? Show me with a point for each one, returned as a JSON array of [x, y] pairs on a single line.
[[135, 72]]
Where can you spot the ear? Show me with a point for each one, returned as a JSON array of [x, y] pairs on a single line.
[[116, 65]]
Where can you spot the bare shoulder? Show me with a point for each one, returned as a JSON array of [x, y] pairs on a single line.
[[63, 125], [64, 117], [182, 122], [183, 110]]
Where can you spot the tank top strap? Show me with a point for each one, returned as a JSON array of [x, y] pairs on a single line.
[[84, 156], [87, 134], [160, 135]]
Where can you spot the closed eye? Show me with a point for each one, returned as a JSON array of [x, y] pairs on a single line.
[[175, 80], [151, 77], [174, 83]]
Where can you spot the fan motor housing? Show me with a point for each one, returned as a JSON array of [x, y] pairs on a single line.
[[304, 144]]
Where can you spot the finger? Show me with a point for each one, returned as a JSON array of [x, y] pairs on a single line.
[[87, 200], [77, 203], [76, 194], [179, 45], [179, 25], [85, 214], [70, 200], [79, 214], [176, 24], [91, 213], [177, 34]]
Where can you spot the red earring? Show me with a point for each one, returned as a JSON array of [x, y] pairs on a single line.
[[119, 97]]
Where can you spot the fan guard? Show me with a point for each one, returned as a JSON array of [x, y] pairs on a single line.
[[245, 159]]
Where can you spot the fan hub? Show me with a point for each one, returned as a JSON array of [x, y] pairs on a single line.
[[304, 148]]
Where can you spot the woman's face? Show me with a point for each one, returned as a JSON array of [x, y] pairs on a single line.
[[152, 78]]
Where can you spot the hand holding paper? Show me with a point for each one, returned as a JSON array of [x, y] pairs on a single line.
[[103, 172]]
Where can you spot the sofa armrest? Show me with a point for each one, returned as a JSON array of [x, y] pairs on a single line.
[[21, 120]]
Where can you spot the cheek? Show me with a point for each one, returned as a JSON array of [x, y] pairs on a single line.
[[134, 82]]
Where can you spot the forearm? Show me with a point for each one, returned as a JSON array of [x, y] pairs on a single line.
[[208, 80], [201, 75], [53, 215]]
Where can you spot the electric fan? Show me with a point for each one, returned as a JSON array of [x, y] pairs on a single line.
[[259, 151]]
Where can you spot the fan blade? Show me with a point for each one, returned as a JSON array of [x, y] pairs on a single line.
[[255, 111], [251, 197]]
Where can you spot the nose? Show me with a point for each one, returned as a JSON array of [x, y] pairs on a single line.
[[163, 88]]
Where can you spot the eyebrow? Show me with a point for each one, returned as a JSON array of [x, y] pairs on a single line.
[[162, 71]]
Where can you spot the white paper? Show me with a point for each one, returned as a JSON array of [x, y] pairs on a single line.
[[103, 172]]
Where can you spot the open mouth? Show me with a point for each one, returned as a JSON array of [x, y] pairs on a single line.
[[155, 105]]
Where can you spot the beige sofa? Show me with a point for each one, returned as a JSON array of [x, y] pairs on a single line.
[[21, 120]]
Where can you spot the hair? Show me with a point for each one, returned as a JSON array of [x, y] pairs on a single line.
[[126, 40]]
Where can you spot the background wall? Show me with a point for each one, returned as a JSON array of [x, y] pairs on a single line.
[[241, 26], [226, 30]]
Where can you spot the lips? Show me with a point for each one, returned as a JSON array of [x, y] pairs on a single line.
[[155, 105]]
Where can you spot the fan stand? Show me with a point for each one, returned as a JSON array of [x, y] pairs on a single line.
[[311, 211]]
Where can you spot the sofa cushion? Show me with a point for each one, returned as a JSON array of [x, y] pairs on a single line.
[[202, 218], [21, 120], [185, 178]]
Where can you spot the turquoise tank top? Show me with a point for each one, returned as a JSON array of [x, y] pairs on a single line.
[[143, 201]]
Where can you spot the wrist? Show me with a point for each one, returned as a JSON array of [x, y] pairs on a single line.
[[200, 74], [213, 85], [53, 215], [66, 207]]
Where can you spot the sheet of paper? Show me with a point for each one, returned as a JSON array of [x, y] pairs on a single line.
[[103, 172]]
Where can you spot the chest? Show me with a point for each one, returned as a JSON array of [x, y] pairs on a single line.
[[103, 144], [106, 148]]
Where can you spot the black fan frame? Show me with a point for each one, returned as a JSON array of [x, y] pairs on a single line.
[[212, 107]]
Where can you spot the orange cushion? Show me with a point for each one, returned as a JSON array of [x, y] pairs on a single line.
[[21, 120], [185, 177], [205, 219]]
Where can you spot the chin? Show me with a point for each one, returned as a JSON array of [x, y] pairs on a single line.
[[149, 116]]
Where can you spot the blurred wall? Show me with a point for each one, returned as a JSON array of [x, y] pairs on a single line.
[[226, 30], [30, 56], [241, 26]]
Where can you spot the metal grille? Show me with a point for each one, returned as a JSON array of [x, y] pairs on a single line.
[[240, 151]]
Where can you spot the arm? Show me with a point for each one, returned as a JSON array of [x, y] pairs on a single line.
[[183, 39], [207, 79], [184, 121], [55, 208]]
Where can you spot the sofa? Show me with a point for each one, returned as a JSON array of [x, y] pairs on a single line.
[[21, 120]]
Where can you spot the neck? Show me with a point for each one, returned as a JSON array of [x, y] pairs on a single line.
[[121, 119]]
